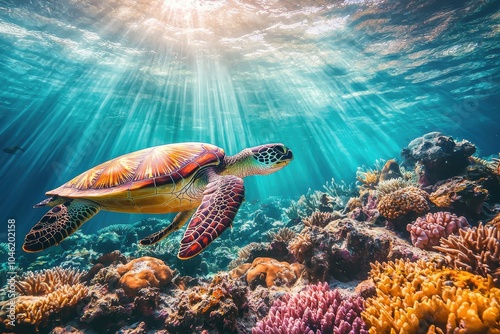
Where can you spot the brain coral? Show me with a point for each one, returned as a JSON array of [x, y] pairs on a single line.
[[476, 250], [402, 201], [269, 271], [426, 231], [315, 310], [418, 297], [143, 272]]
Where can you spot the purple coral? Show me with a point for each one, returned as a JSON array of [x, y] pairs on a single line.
[[427, 230], [315, 310]]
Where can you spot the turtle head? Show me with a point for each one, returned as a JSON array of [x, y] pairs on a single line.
[[263, 159], [270, 158]]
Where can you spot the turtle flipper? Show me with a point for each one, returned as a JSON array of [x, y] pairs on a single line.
[[180, 219], [221, 201], [57, 224]]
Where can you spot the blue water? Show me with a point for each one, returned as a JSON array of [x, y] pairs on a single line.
[[342, 83]]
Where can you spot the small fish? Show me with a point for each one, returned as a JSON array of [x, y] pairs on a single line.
[[13, 149]]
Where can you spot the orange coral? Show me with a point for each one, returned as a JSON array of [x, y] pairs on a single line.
[[269, 271], [143, 272], [403, 201], [495, 221]]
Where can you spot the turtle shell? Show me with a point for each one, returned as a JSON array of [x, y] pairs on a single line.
[[150, 167]]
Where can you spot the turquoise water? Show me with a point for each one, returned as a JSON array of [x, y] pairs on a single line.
[[342, 83]]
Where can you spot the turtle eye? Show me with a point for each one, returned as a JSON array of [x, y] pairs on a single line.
[[280, 149]]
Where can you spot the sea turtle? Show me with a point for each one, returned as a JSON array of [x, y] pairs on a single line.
[[194, 179]]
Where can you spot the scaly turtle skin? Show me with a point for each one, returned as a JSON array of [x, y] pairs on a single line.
[[194, 179]]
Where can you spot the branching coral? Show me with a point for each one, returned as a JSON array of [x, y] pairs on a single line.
[[476, 250], [426, 231], [43, 294], [301, 245], [143, 272], [268, 271], [320, 219], [46, 281], [403, 201], [283, 235], [368, 178], [317, 309], [418, 297]]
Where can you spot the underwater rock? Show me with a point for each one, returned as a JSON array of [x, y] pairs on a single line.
[[216, 306], [143, 272], [107, 311], [315, 309], [439, 156], [426, 231], [345, 248], [364, 207], [390, 171], [463, 196]]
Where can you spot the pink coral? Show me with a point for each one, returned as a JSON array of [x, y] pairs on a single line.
[[315, 310], [427, 230]]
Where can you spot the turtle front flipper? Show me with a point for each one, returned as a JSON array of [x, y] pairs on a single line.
[[221, 201], [57, 224], [180, 219]]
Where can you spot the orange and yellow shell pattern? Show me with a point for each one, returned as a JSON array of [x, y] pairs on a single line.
[[153, 174]]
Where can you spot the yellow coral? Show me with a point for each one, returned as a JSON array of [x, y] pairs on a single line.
[[368, 178], [418, 297], [269, 271], [402, 201]]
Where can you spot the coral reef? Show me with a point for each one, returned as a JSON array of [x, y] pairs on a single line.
[[345, 248], [476, 250], [419, 297], [143, 272], [439, 156], [427, 230], [403, 201], [269, 272], [316, 309]]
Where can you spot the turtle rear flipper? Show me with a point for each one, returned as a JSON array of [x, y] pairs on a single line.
[[179, 221], [57, 224], [219, 206]]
